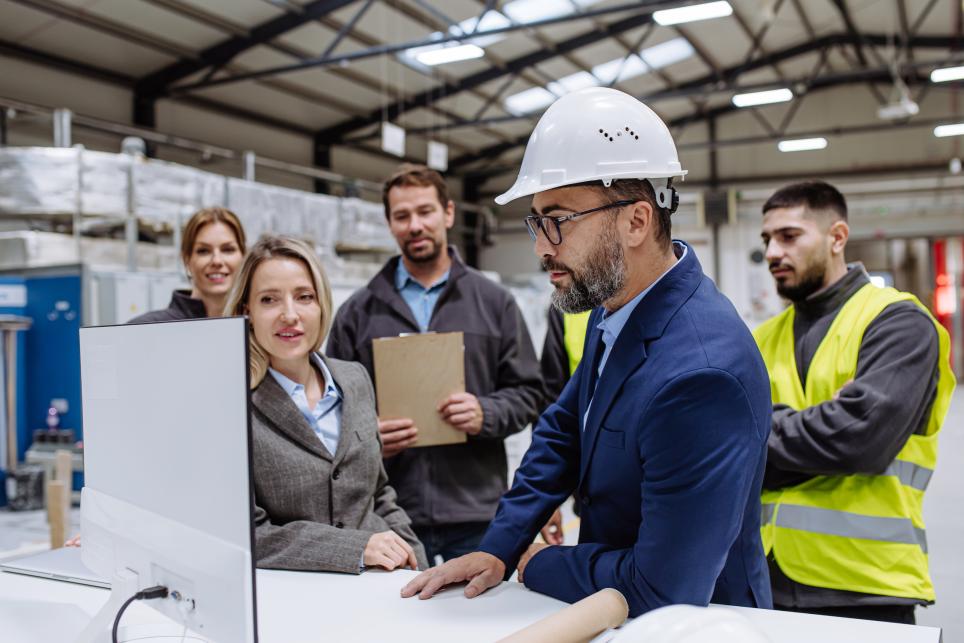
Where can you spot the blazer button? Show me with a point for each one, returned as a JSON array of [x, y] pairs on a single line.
[[336, 474], [586, 501], [340, 525]]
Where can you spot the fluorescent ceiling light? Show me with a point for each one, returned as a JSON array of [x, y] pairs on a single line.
[[667, 53], [692, 13], [573, 82], [955, 129], [625, 68], [802, 144], [450, 54], [525, 11], [947, 73], [529, 101], [762, 98]]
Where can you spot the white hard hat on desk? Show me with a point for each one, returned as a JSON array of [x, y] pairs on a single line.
[[598, 134], [690, 624]]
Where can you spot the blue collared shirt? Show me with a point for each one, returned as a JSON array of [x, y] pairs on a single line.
[[420, 300], [612, 323], [325, 418]]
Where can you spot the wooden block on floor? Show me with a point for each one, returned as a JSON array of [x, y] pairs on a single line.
[[58, 502]]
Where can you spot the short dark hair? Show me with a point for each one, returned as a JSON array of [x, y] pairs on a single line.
[[640, 190], [815, 195], [412, 175]]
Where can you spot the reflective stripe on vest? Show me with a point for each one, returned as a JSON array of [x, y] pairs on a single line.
[[847, 525], [910, 474], [574, 326], [862, 533]]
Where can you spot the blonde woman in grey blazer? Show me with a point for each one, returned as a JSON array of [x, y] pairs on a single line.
[[323, 502]]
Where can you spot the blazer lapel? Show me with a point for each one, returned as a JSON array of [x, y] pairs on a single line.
[[590, 362], [350, 408], [626, 357], [272, 401]]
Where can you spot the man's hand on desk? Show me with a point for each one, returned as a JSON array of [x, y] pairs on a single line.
[[397, 435], [534, 549], [482, 570], [388, 550], [463, 412]]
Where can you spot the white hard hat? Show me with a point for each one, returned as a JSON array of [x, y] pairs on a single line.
[[690, 624], [597, 134]]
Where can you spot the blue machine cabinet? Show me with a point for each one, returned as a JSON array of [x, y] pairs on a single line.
[[48, 353]]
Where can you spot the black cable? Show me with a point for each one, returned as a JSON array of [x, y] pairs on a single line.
[[157, 591]]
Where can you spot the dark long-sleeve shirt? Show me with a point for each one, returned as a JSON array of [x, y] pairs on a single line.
[[864, 428], [555, 359]]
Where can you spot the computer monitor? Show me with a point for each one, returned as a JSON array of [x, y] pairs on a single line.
[[168, 497]]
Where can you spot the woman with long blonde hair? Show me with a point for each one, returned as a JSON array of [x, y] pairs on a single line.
[[322, 497]]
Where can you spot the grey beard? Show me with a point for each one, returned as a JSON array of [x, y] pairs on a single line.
[[604, 276]]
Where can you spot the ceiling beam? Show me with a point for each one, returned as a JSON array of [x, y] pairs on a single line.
[[156, 84], [817, 84], [852, 30], [92, 72], [643, 11], [335, 133]]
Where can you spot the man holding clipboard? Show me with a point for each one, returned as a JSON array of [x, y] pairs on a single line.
[[450, 491]]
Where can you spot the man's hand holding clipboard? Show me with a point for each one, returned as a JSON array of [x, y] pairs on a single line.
[[420, 381]]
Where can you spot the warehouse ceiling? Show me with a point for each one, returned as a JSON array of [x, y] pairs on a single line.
[[334, 70]]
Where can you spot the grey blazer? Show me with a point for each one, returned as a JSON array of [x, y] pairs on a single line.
[[315, 511]]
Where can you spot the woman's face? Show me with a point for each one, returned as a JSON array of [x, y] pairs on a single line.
[[214, 260], [284, 310]]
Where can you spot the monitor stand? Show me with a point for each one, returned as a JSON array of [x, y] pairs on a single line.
[[123, 586]]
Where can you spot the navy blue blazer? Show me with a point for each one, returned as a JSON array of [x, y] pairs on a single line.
[[669, 467]]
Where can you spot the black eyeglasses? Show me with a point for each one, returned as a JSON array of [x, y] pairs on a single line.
[[550, 226]]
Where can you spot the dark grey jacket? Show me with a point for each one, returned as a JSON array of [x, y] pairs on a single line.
[[315, 511], [455, 483], [182, 306]]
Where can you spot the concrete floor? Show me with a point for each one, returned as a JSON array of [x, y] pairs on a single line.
[[945, 527], [26, 532]]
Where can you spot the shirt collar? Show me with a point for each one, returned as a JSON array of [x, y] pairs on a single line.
[[291, 387], [612, 323], [402, 277]]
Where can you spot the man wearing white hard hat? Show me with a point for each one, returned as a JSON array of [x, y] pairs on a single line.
[[661, 432]]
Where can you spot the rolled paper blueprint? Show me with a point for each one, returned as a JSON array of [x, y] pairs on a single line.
[[579, 622]]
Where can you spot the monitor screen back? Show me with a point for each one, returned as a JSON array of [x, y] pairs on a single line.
[[165, 410]]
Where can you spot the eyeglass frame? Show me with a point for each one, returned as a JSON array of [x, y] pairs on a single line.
[[537, 219]]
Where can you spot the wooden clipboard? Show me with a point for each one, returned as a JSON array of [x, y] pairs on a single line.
[[413, 375]]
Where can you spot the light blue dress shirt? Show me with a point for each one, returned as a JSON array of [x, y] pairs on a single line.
[[420, 300], [612, 323], [325, 418]]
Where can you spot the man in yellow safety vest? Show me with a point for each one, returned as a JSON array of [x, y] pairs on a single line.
[[861, 383]]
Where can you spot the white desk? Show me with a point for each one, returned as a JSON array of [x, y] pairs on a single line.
[[298, 607]]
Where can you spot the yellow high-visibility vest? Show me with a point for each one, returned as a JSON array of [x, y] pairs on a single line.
[[862, 533], [574, 326]]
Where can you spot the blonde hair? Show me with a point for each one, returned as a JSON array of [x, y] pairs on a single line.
[[237, 304], [203, 217]]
